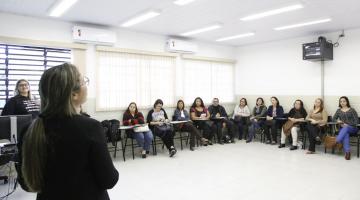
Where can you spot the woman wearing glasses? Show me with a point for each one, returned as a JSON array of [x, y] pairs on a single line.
[[23, 102], [63, 154]]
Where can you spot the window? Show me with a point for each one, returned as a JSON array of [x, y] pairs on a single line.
[[208, 79], [26, 62], [130, 77]]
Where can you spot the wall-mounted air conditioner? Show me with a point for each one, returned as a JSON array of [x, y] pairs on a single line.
[[93, 35], [180, 46]]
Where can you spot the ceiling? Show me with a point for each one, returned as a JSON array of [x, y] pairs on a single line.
[[175, 19]]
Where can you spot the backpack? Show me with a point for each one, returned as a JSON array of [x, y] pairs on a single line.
[[111, 130]]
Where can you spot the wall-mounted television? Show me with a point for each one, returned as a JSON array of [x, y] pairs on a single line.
[[318, 51]]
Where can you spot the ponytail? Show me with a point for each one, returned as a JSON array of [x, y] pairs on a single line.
[[34, 156]]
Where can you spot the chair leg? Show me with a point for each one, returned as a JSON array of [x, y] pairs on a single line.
[[153, 147], [358, 145], [132, 148], [124, 148], [181, 144], [115, 149], [155, 150]]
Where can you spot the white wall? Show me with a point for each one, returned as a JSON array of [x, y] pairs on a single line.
[[54, 30], [276, 68]]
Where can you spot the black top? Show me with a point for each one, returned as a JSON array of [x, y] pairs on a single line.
[[20, 105], [297, 114], [213, 110], [78, 162]]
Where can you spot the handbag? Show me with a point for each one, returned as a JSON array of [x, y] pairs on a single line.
[[165, 127], [141, 128], [287, 127], [330, 141]]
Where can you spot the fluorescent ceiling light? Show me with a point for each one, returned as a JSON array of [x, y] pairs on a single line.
[[182, 2], [60, 7], [302, 24], [272, 12], [201, 30], [235, 37], [141, 18]]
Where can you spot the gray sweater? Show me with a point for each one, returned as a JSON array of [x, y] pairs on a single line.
[[350, 117]]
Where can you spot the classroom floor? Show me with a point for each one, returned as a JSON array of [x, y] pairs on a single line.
[[252, 171]]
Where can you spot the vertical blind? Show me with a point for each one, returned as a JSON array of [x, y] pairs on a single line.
[[130, 77], [208, 79], [26, 62]]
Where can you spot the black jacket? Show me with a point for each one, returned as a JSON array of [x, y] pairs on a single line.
[[213, 110], [78, 163]]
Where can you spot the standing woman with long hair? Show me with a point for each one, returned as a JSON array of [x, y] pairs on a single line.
[[23, 101], [64, 154]]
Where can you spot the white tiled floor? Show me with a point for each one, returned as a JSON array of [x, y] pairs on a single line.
[[252, 171]]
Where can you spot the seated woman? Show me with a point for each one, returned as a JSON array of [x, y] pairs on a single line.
[[318, 118], [257, 119], [159, 123], [296, 115], [201, 117], [23, 102], [181, 114], [347, 117], [241, 117], [274, 111], [133, 117]]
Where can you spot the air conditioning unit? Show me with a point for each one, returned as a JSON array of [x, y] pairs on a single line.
[[93, 35], [180, 46]]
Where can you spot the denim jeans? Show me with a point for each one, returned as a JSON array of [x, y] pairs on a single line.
[[144, 139], [344, 136]]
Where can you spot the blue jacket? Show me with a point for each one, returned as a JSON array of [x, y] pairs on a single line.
[[279, 111], [177, 115]]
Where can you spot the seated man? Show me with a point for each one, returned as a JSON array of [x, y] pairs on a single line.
[[221, 123]]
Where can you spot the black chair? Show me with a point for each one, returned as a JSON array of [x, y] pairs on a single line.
[[113, 135], [357, 141]]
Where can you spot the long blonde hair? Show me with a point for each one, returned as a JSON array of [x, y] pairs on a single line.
[[56, 87]]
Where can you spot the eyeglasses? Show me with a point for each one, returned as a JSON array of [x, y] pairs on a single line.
[[86, 81], [23, 85]]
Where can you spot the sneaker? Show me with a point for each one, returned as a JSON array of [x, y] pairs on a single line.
[[172, 152], [267, 142], [273, 143], [293, 147]]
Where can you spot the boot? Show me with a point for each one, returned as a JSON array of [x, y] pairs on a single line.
[[281, 145], [347, 156]]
